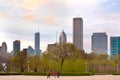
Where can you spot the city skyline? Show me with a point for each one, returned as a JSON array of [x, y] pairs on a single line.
[[20, 19]]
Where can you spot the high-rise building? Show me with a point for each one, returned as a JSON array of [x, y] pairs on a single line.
[[31, 51], [51, 46], [0, 49], [37, 43], [114, 46], [4, 49], [99, 43], [62, 38], [78, 32], [16, 47]]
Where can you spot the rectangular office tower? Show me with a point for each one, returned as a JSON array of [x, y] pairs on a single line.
[[114, 46], [37, 43], [16, 47], [78, 32], [99, 43]]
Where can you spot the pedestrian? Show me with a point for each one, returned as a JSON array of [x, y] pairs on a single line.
[[54, 74], [48, 75], [58, 74]]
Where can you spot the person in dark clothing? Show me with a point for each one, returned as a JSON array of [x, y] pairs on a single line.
[[58, 74], [48, 75]]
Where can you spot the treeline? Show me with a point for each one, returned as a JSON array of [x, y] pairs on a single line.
[[63, 58]]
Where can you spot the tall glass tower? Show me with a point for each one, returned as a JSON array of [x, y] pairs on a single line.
[[114, 46], [16, 47], [78, 32], [99, 43], [37, 43]]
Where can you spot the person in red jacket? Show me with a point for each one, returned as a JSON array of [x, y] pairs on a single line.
[[54, 74]]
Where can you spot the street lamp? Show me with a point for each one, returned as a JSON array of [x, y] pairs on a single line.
[[86, 66], [117, 68], [28, 65]]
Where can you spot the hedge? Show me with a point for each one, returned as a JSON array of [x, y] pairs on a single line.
[[44, 74]]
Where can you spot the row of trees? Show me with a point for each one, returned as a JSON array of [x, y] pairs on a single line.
[[63, 58]]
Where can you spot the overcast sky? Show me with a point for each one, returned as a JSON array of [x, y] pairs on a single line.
[[20, 19]]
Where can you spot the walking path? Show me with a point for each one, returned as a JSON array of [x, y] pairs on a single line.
[[96, 77]]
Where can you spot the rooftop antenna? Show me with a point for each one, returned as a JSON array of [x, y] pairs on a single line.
[[62, 29], [56, 36], [78, 15], [38, 29]]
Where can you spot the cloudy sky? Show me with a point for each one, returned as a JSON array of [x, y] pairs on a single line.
[[20, 19]]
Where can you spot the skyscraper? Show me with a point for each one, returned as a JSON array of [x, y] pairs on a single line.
[[78, 32], [114, 46], [4, 49], [0, 49], [16, 47], [31, 51], [99, 43], [62, 38], [37, 43]]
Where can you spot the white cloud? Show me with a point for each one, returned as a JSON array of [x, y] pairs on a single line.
[[84, 2]]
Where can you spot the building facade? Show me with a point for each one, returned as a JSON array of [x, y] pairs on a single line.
[[78, 32], [37, 43], [99, 43], [51, 46], [114, 46], [31, 51], [16, 47], [4, 49], [0, 49], [62, 38]]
